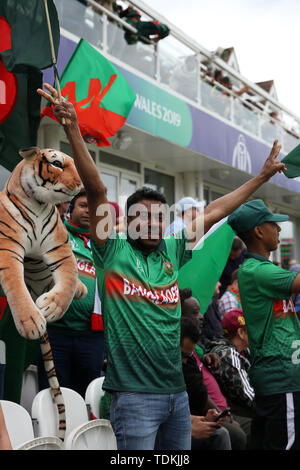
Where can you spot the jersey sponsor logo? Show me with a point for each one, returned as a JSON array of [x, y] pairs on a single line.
[[120, 286], [283, 308], [165, 296], [86, 267]]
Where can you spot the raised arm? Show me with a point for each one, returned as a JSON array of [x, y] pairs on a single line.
[[99, 210], [225, 205]]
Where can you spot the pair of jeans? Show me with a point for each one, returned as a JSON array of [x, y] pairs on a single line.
[[144, 421], [77, 359]]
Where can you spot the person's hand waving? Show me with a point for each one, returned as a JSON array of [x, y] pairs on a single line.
[[272, 165], [62, 107]]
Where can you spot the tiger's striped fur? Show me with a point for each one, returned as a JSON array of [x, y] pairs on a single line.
[[38, 271], [53, 383]]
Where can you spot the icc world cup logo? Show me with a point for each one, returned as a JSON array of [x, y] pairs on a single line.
[[241, 158]]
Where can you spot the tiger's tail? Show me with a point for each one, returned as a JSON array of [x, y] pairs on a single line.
[[53, 383]]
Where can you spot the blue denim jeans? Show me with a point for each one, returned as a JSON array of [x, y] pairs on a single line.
[[144, 421], [78, 359]]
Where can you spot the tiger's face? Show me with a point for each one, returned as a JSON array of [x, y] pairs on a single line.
[[49, 176]]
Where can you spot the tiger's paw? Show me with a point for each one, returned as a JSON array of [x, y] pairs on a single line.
[[52, 305], [32, 327], [81, 290]]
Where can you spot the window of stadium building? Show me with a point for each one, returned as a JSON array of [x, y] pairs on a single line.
[[161, 182]]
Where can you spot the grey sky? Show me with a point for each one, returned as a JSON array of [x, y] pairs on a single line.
[[264, 33]]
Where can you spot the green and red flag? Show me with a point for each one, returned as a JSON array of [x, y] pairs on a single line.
[[24, 51], [100, 94], [210, 255]]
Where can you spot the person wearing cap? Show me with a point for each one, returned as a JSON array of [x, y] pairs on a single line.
[[188, 210], [232, 374], [273, 329]]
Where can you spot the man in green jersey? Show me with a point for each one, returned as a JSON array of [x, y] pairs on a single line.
[[273, 329], [140, 298]]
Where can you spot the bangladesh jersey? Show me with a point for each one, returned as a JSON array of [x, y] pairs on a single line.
[[272, 325], [141, 314], [77, 318]]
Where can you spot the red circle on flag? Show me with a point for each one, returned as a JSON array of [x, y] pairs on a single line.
[[8, 92]]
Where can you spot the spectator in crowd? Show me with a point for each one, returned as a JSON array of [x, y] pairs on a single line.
[[77, 339], [63, 210], [212, 326], [5, 443], [147, 31], [200, 402], [142, 323], [227, 83], [294, 266], [218, 76], [188, 210], [108, 4], [207, 363], [230, 300], [232, 374], [235, 259], [273, 329], [184, 77], [219, 438]]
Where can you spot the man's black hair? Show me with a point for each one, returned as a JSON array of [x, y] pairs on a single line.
[[225, 80], [144, 193], [188, 330], [218, 73], [185, 294], [246, 237], [81, 193]]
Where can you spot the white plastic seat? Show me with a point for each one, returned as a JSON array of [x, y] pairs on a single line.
[[30, 387], [44, 411], [20, 430], [93, 395], [42, 443], [94, 435], [2, 366]]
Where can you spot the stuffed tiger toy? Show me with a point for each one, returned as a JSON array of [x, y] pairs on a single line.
[[38, 271]]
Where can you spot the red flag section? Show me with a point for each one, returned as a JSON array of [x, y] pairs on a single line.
[[100, 94], [93, 117]]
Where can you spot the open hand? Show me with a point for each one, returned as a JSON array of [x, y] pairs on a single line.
[[273, 166]]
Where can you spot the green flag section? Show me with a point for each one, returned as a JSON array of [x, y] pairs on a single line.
[[20, 116], [292, 163], [29, 43], [20, 353], [24, 50], [100, 94], [208, 262]]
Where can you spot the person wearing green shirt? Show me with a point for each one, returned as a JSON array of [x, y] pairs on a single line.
[[273, 329], [140, 296]]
